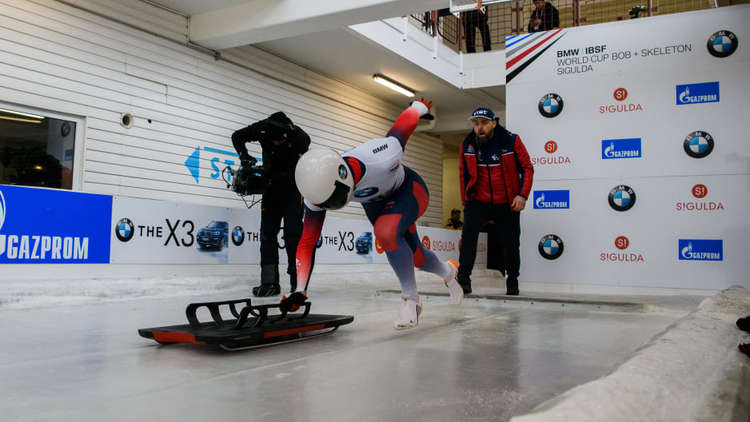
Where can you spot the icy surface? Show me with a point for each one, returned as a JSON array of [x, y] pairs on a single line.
[[71, 352]]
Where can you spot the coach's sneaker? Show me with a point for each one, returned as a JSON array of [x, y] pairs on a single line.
[[409, 315], [455, 289]]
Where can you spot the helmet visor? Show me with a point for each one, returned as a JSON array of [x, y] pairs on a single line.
[[338, 198]]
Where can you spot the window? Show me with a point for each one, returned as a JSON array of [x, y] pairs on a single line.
[[36, 150]]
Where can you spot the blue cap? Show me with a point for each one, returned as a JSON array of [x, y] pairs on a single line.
[[484, 113]]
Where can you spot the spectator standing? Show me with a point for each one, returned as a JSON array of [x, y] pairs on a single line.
[[544, 17], [496, 176]]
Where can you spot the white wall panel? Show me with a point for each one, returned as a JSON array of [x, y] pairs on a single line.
[[57, 57]]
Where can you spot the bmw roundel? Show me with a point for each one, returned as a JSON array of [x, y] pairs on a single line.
[[722, 43], [551, 105], [551, 246], [621, 198], [124, 230], [238, 235], [365, 192], [698, 144], [343, 172]]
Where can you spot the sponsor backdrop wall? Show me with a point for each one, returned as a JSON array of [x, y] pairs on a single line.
[[58, 227], [637, 131]]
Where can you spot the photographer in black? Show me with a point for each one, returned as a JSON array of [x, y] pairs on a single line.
[[283, 143]]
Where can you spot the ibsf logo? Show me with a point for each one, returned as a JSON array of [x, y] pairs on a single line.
[[621, 243], [551, 199], [700, 249], [551, 246], [550, 147], [698, 144], [551, 105], [124, 229], [613, 149], [705, 92], [2, 210], [238, 235], [621, 198], [620, 95], [722, 43], [699, 191]]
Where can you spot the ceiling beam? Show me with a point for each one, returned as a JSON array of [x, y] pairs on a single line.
[[265, 20]]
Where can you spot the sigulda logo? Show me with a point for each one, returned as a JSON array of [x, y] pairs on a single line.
[[620, 95], [699, 191], [621, 243], [551, 158]]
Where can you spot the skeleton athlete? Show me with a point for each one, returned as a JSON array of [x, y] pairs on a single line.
[[393, 197]]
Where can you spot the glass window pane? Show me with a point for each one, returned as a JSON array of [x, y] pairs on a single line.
[[36, 150]]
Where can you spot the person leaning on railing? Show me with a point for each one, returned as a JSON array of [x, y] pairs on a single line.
[[544, 17]]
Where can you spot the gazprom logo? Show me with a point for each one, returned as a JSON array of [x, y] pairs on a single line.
[[551, 199], [705, 92], [701, 249], [2, 210], [621, 148]]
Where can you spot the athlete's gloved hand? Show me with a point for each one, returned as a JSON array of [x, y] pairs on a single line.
[[424, 106], [293, 302]]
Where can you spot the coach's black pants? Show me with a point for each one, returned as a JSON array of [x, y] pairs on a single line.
[[275, 207], [507, 228]]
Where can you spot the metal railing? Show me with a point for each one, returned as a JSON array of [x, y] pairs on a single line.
[[511, 18]]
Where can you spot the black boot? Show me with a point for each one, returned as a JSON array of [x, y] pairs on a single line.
[[293, 282], [265, 290], [511, 284], [269, 282], [465, 283]]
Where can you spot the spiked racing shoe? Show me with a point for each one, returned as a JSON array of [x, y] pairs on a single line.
[[455, 289], [408, 317]]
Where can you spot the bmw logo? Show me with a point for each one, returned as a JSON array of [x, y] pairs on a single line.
[[124, 230], [722, 43], [621, 198], [238, 236], [698, 144], [551, 246], [365, 192], [343, 172], [551, 105]]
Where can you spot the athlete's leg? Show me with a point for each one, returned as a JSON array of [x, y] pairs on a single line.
[[393, 223]]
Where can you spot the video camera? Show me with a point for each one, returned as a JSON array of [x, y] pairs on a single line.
[[247, 180]]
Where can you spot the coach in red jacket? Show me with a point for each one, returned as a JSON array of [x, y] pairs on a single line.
[[496, 175]]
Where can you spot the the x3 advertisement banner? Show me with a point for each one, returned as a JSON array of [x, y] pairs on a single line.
[[52, 226]]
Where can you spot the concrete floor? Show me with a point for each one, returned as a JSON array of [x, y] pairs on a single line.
[[480, 361]]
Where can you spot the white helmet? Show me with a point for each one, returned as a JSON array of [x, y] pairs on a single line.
[[324, 178]]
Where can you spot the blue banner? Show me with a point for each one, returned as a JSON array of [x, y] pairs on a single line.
[[700, 249], [621, 148], [551, 199], [43, 226], [706, 92]]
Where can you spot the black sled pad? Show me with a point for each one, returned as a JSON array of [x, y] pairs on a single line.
[[253, 326]]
